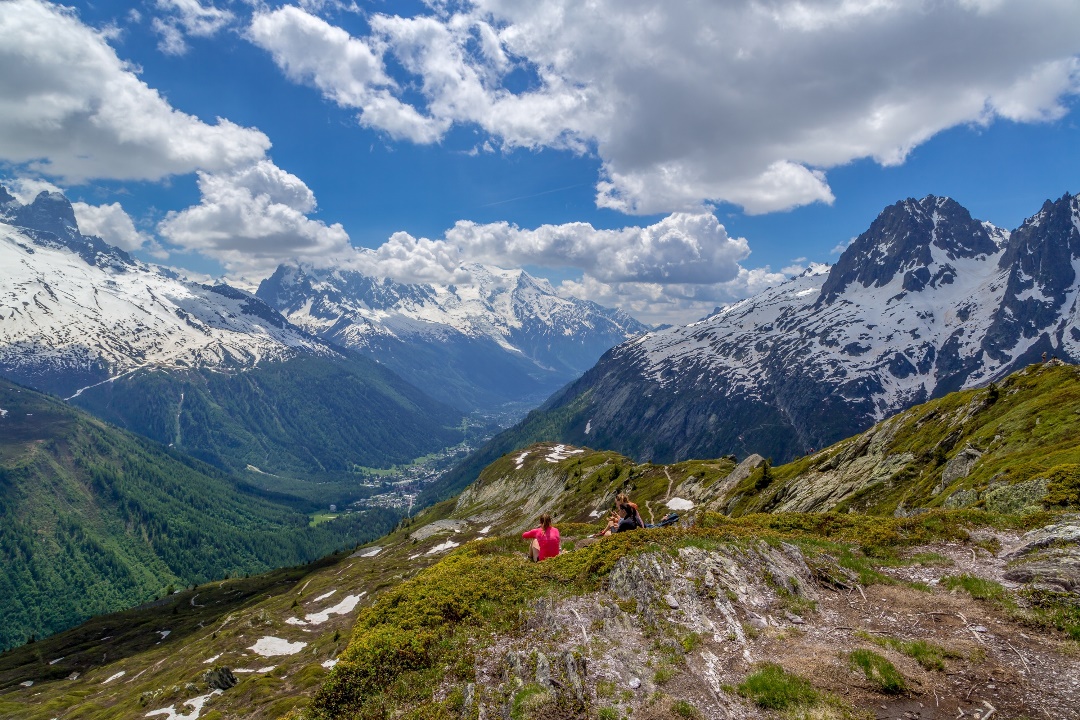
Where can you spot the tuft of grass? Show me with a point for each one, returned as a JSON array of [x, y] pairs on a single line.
[[664, 674], [979, 588], [928, 655], [608, 713], [685, 709], [882, 673], [930, 559], [773, 688], [690, 642], [605, 689]]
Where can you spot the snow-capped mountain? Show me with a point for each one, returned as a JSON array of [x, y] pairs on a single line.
[[926, 301], [506, 336], [75, 311]]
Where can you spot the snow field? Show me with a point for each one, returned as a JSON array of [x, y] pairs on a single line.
[[270, 646], [678, 503], [196, 705]]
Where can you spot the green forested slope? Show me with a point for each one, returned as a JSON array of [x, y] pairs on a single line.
[[94, 519], [306, 418]]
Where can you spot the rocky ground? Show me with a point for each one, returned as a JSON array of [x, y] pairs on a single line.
[[675, 634]]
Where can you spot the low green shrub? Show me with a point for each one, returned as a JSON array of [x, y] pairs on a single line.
[[879, 671], [773, 688]]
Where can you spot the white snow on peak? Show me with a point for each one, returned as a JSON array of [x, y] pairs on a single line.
[[495, 304], [520, 462], [58, 312], [857, 335]]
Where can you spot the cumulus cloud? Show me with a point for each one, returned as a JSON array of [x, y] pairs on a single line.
[[348, 71], [681, 248], [691, 103], [186, 17], [71, 110], [253, 217], [111, 223], [25, 189], [674, 270], [679, 303]]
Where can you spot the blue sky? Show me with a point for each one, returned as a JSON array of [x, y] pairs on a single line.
[[665, 159]]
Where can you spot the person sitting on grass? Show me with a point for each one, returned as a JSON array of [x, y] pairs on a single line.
[[621, 521], [624, 499], [545, 540]]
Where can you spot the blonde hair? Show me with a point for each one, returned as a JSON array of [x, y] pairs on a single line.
[[545, 521]]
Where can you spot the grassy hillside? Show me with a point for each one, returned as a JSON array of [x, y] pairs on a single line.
[[854, 614], [94, 519], [1012, 447], [312, 422]]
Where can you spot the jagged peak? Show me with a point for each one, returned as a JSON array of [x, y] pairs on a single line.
[[902, 239]]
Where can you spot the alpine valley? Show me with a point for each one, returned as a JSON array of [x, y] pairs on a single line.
[[924, 563], [251, 427], [505, 339]]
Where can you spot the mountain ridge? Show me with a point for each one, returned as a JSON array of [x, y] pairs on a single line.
[[926, 301], [504, 337]]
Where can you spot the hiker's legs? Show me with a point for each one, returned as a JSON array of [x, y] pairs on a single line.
[[534, 550]]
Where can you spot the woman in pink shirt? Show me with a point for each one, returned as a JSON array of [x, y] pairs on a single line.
[[545, 540]]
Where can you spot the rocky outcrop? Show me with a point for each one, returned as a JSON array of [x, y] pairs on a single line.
[[220, 678], [1049, 557]]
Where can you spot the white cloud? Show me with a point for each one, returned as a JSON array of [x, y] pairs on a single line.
[[25, 189], [689, 103], [347, 71], [71, 110], [681, 248], [656, 304], [675, 270], [112, 224], [252, 218], [839, 248], [187, 17]]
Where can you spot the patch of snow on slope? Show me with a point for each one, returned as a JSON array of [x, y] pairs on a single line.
[[329, 663], [262, 670], [116, 676], [342, 608], [196, 705], [520, 462], [324, 596], [560, 452], [441, 547], [207, 661], [678, 503], [270, 646], [370, 552]]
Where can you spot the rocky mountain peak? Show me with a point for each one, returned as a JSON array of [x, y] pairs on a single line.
[[50, 218], [1041, 262], [915, 238]]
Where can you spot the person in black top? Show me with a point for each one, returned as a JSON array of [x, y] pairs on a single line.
[[623, 520]]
